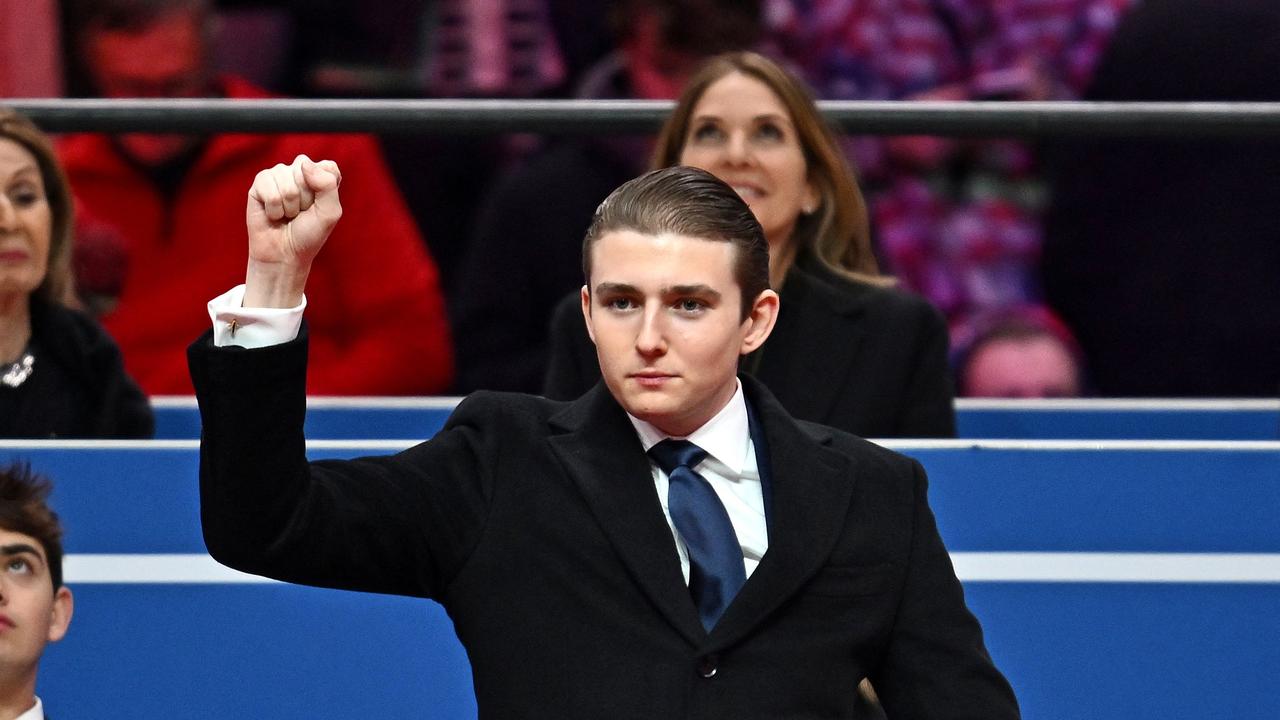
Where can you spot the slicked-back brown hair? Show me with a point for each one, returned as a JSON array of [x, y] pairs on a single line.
[[837, 232], [689, 202], [24, 509], [57, 285]]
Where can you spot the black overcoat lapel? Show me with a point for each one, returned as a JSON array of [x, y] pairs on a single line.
[[811, 491], [600, 450], [812, 487]]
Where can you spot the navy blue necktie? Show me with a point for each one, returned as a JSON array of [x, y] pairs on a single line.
[[716, 570]]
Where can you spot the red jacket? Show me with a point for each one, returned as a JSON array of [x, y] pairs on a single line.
[[374, 306]]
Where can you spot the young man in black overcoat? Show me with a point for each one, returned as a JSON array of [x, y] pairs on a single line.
[[585, 571]]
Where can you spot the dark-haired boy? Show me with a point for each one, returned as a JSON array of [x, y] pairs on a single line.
[[35, 607]]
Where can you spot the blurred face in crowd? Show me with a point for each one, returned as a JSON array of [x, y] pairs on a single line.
[[26, 221], [655, 71], [742, 133], [167, 59], [665, 314], [32, 613], [1036, 367]]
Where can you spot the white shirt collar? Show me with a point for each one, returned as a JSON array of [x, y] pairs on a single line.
[[726, 436], [35, 713]]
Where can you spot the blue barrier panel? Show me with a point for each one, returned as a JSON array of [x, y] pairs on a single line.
[[177, 418], [1123, 651], [418, 418], [254, 651], [1114, 580], [1104, 497], [1119, 419]]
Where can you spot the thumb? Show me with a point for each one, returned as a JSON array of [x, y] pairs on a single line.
[[323, 178]]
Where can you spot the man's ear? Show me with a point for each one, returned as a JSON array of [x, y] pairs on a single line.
[[759, 322], [586, 311], [63, 607]]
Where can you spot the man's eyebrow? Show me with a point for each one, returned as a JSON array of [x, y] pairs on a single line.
[[696, 289], [20, 548], [612, 287], [700, 289]]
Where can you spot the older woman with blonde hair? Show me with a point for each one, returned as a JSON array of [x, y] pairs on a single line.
[[849, 350], [60, 374]]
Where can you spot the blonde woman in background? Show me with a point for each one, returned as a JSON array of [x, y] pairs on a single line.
[[849, 350]]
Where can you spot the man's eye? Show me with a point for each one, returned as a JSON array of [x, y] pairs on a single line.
[[619, 304], [689, 305], [18, 566]]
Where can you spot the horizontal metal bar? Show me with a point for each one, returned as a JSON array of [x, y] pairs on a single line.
[[1173, 406], [582, 117]]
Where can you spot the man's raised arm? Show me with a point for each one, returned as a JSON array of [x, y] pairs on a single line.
[[250, 375], [264, 508]]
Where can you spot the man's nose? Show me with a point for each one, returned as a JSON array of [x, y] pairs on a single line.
[[651, 339]]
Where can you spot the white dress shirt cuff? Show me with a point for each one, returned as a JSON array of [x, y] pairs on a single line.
[[252, 327]]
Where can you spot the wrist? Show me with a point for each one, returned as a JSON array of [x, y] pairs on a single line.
[[274, 285]]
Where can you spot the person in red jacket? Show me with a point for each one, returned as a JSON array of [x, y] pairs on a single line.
[[376, 312]]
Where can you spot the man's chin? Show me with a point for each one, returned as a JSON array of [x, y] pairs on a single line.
[[663, 414], [648, 406]]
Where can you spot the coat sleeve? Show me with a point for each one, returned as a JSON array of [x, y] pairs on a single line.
[[376, 308], [403, 523], [936, 663]]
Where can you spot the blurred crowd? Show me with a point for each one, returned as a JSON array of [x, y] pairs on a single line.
[[1116, 267]]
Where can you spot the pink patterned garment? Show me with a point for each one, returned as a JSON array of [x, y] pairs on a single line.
[[956, 221]]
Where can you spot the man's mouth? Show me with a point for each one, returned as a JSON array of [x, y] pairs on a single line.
[[651, 378]]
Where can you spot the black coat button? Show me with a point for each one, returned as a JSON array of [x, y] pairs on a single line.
[[707, 665]]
